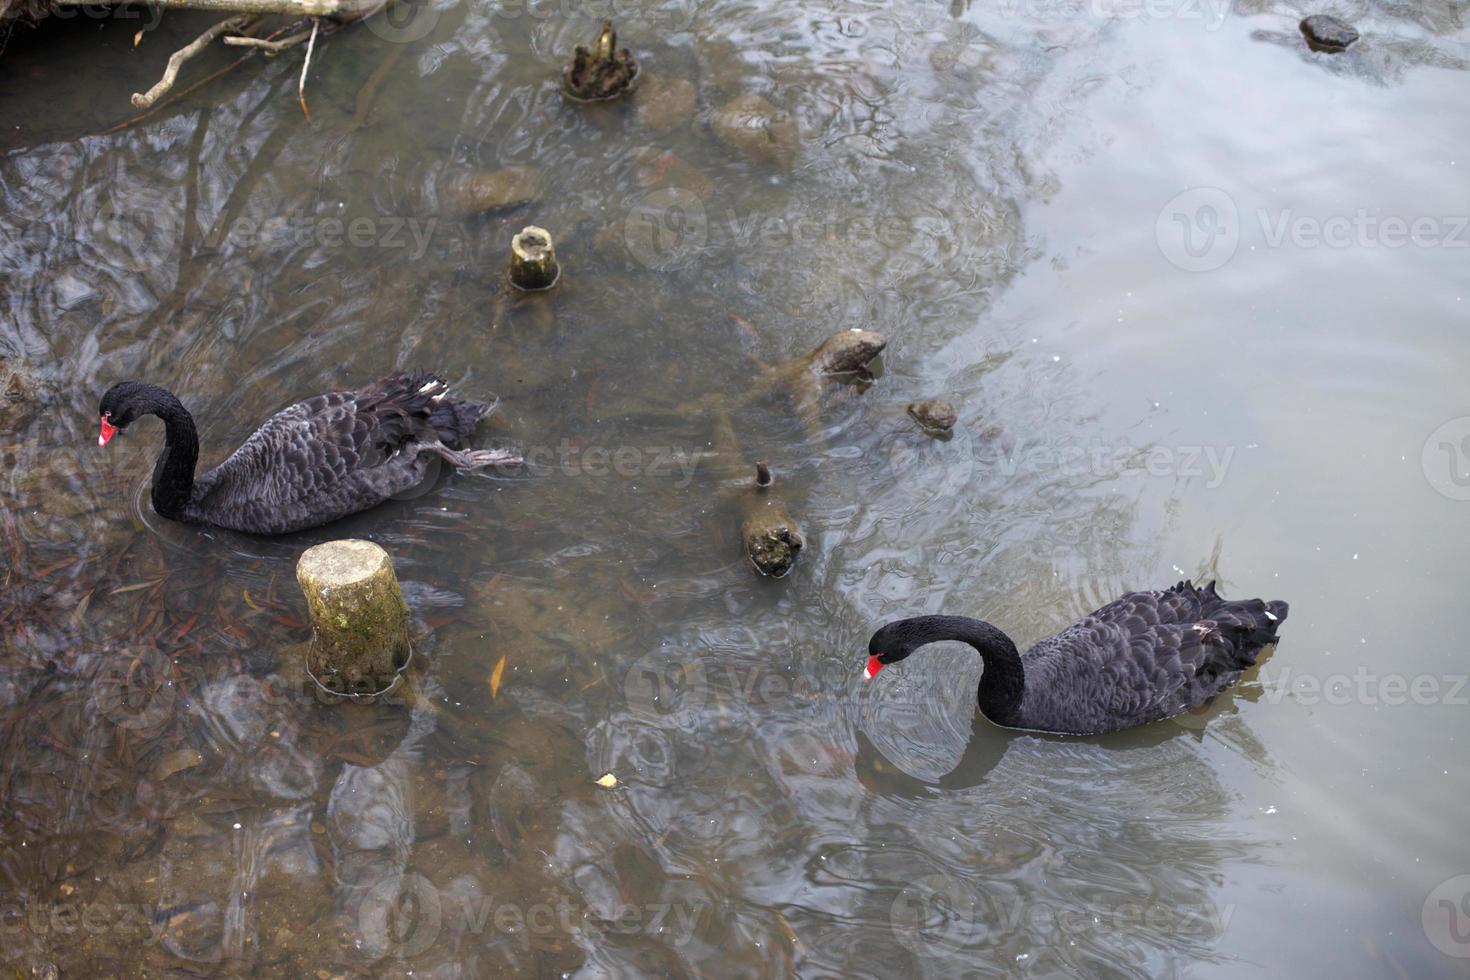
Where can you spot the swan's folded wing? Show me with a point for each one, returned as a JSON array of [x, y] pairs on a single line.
[[1115, 674], [314, 451]]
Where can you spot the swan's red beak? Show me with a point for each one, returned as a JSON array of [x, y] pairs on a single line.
[[874, 665], [108, 431]]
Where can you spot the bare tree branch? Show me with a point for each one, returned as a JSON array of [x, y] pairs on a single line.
[[145, 100]]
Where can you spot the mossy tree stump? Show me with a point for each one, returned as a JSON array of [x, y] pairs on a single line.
[[358, 617]]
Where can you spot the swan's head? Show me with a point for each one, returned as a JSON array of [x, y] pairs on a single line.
[[123, 402], [889, 645]]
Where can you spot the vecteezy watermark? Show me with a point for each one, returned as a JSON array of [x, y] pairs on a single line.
[[380, 231], [669, 228], [151, 15], [942, 913], [1446, 917], [1361, 686], [629, 462], [1210, 13], [407, 21], [1199, 230], [136, 690], [1366, 687], [115, 920], [1445, 459], [403, 915], [136, 228]]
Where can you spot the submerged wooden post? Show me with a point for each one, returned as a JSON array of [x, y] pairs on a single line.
[[358, 617], [533, 260]]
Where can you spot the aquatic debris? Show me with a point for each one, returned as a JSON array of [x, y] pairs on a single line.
[[176, 761], [935, 416], [1326, 33], [358, 615], [761, 132], [607, 780], [495, 678], [533, 260], [600, 73]]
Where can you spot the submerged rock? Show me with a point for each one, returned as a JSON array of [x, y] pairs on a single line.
[[494, 190], [660, 169], [665, 103], [758, 130], [1326, 33], [934, 416], [846, 352]]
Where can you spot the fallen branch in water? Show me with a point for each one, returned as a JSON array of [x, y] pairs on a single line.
[[145, 100], [305, 67]]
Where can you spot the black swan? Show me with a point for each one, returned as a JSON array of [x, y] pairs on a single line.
[[318, 460], [1146, 656]]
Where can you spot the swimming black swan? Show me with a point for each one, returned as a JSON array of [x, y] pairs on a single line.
[[318, 460], [1146, 656]]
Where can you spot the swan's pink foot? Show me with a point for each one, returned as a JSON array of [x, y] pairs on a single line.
[[474, 459]]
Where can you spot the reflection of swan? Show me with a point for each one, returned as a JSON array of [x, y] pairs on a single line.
[[1146, 656], [983, 752]]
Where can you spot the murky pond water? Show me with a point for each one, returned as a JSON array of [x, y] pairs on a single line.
[[1196, 294]]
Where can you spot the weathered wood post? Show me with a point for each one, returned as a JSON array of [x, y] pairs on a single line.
[[359, 620]]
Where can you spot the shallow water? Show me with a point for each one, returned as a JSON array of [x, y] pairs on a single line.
[[1144, 249]]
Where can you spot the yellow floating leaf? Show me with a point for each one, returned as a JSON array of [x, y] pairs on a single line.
[[495, 678], [138, 38], [607, 780]]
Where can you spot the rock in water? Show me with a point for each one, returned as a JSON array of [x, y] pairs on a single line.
[[846, 351], [934, 416], [358, 617], [493, 190], [665, 103], [1327, 33], [758, 130]]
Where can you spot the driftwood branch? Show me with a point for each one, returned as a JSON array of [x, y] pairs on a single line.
[[145, 100], [268, 46]]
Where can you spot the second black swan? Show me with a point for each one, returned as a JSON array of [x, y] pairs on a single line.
[[320, 459], [1141, 658]]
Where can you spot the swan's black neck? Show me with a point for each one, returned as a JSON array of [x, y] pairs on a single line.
[[173, 474], [1003, 683]]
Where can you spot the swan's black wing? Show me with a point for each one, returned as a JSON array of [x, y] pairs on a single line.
[[1147, 656], [332, 455]]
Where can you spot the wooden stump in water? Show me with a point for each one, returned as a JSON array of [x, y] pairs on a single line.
[[533, 260], [358, 617]]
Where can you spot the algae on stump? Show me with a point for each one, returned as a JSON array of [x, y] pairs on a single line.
[[358, 616], [533, 260]]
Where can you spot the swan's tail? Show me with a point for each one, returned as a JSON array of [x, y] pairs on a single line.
[[1252, 623], [455, 420]]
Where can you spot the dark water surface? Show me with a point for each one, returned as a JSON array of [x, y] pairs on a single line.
[[1197, 294]]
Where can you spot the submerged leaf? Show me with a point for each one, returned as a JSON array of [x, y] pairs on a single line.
[[495, 678]]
